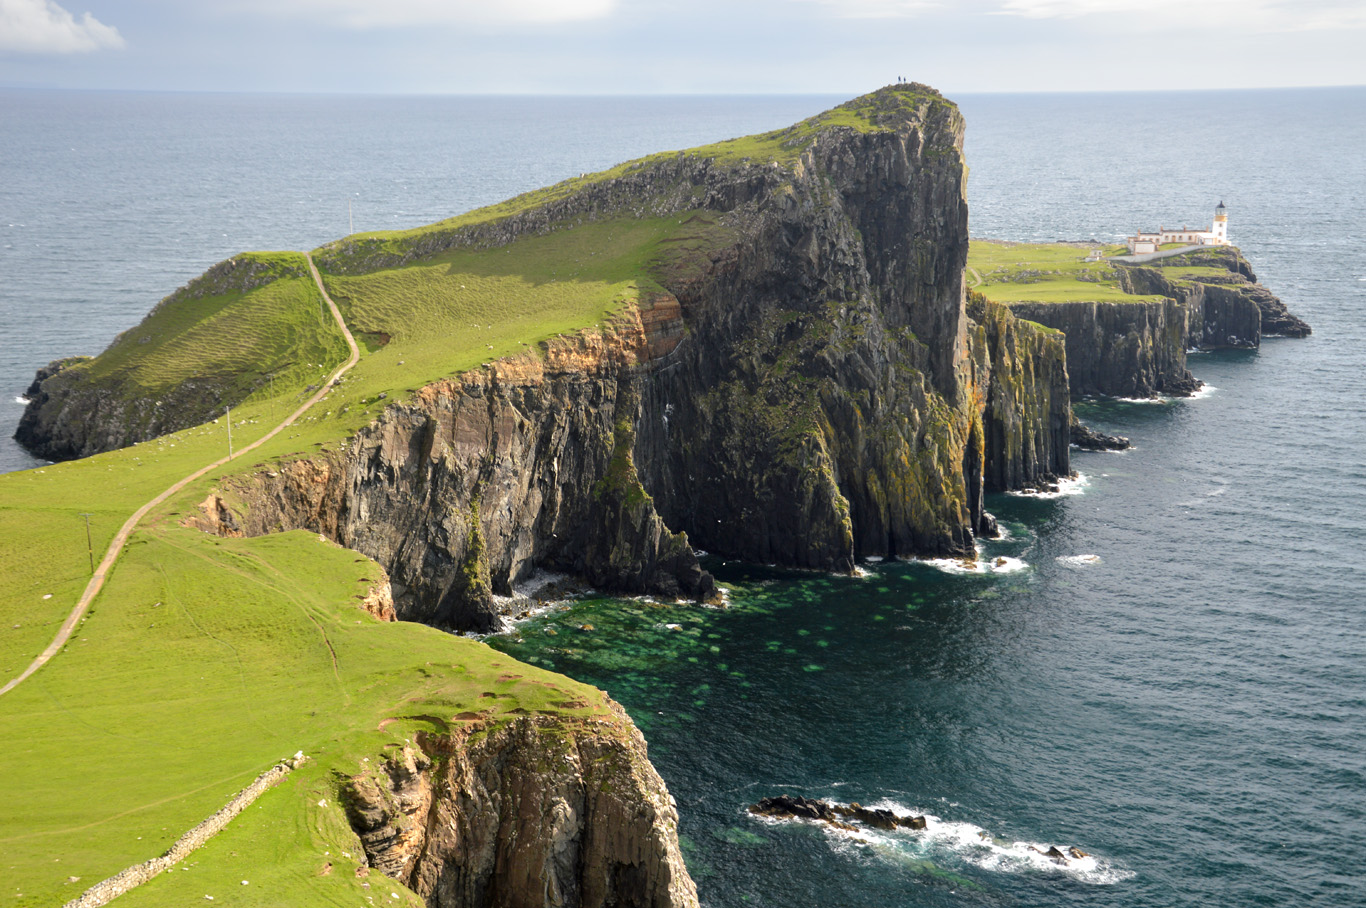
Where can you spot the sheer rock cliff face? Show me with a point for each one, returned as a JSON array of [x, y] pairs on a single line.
[[816, 411], [1027, 418], [535, 812]]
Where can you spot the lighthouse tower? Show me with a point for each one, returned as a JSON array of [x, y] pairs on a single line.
[[1220, 228]]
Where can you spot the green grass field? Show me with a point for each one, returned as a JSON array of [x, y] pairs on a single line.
[[228, 344], [1044, 273], [202, 662]]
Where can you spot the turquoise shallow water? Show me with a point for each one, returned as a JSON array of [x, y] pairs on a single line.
[[1190, 708]]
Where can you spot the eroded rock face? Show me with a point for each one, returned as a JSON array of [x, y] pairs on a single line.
[[1021, 373], [478, 481], [539, 811], [1138, 349]]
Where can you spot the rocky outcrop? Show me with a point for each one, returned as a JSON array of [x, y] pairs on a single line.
[[1088, 439], [1234, 290], [841, 816], [1137, 348], [537, 811]]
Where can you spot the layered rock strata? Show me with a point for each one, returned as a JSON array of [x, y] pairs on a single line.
[[476, 482], [532, 812]]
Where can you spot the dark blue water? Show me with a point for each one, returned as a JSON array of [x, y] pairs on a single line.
[[1189, 706]]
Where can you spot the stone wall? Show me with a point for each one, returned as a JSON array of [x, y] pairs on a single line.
[[105, 892]]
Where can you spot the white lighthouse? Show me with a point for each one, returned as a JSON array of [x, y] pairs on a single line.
[[1147, 242]]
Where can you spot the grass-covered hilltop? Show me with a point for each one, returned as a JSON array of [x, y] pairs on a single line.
[[764, 347]]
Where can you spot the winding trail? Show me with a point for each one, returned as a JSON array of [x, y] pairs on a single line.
[[121, 538]]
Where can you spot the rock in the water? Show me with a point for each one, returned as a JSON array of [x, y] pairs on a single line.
[[812, 809], [1089, 439]]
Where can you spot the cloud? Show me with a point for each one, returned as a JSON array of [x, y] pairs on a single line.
[[876, 9], [43, 27], [370, 14], [1235, 15]]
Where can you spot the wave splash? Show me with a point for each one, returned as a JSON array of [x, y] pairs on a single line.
[[1074, 485], [949, 842]]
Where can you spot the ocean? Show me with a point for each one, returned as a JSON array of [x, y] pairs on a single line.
[[1169, 672]]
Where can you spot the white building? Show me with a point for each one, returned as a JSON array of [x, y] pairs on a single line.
[[1215, 235]]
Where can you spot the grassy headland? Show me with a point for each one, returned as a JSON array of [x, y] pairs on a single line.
[[1044, 273], [204, 660]]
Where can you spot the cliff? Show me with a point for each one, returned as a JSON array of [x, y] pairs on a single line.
[[527, 813], [789, 377], [477, 481], [1230, 308], [1120, 349], [1027, 419]]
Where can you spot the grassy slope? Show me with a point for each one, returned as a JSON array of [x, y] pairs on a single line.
[[237, 342], [454, 311], [1045, 273], [186, 702], [204, 659]]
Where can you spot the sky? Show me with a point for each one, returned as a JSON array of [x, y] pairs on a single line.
[[691, 47]]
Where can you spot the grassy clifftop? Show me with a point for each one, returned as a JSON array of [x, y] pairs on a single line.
[[1045, 273]]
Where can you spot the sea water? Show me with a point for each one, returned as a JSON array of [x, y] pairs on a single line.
[[1173, 676]]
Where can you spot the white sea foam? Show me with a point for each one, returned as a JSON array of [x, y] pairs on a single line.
[[1078, 560], [948, 842], [1074, 486], [1144, 400], [979, 565], [521, 603], [21, 400], [1203, 391]]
